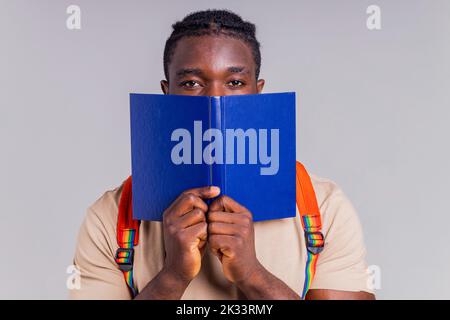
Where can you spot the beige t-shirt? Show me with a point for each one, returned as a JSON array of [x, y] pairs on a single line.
[[280, 247]]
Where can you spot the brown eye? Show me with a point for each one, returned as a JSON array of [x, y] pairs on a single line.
[[189, 84], [236, 83]]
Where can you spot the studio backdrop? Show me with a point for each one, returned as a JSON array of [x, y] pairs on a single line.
[[373, 93]]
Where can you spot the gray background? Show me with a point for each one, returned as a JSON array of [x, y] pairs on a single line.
[[374, 114]]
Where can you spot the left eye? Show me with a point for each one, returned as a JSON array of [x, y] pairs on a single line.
[[190, 84], [236, 83]]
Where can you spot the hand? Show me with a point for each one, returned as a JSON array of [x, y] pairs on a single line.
[[231, 238], [185, 232]]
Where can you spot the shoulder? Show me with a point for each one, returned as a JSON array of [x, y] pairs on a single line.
[[335, 207], [106, 207], [100, 222], [341, 265], [341, 225], [325, 188], [95, 251]]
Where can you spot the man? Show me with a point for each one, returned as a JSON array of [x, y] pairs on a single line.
[[216, 251]]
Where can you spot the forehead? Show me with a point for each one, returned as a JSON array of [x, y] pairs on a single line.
[[211, 54]]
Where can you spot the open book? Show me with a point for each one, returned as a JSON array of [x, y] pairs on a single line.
[[244, 144]]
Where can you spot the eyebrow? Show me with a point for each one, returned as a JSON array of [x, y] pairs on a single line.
[[238, 70], [196, 71], [187, 71]]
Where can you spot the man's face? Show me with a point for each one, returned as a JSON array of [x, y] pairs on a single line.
[[212, 66]]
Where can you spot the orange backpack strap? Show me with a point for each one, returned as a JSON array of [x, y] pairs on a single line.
[[311, 222], [127, 236]]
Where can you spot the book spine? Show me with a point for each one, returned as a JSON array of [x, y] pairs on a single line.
[[217, 168]]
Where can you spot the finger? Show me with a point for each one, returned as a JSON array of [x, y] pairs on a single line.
[[223, 228], [198, 231], [225, 203], [204, 192], [221, 244], [187, 202], [221, 216], [202, 245], [191, 218], [191, 198], [244, 218]]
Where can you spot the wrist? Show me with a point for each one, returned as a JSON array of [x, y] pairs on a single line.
[[174, 278], [166, 285], [261, 284], [254, 279]]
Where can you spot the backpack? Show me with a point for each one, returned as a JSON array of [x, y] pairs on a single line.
[[128, 229]]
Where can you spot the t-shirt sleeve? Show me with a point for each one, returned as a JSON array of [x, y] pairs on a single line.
[[341, 265], [100, 277]]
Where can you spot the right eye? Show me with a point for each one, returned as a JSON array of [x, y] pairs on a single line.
[[189, 84]]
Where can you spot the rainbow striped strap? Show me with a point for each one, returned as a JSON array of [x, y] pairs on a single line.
[[127, 236], [314, 244], [311, 223], [124, 258]]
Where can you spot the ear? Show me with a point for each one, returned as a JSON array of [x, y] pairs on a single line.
[[165, 86], [260, 85]]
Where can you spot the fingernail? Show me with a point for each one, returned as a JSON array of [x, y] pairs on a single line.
[[214, 189]]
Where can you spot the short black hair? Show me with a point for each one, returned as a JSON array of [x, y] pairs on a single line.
[[212, 22]]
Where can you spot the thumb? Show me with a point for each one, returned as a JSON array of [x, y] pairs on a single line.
[[204, 192]]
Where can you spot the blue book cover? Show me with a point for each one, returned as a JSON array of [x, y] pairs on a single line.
[[244, 144]]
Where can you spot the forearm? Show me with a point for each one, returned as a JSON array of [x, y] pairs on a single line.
[[261, 284], [165, 286]]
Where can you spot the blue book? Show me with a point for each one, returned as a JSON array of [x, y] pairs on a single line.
[[244, 144]]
